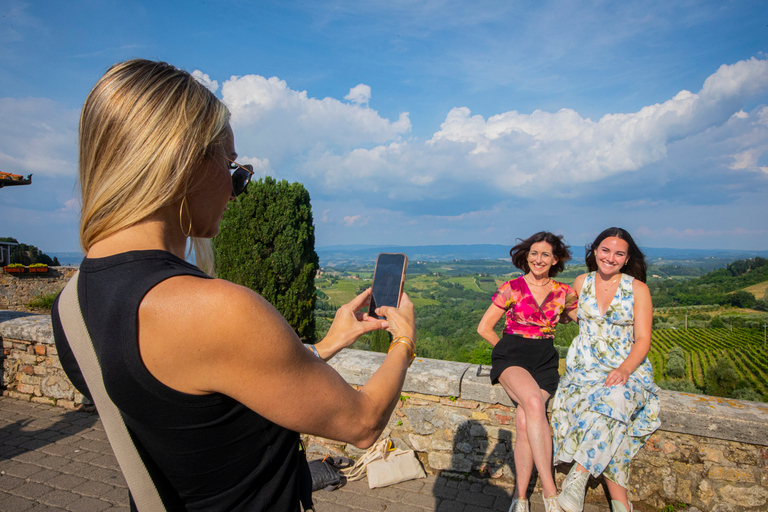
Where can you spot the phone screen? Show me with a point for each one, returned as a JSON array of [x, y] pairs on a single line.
[[388, 278]]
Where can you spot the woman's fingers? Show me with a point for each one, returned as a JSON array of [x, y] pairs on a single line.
[[360, 301], [617, 377], [401, 320]]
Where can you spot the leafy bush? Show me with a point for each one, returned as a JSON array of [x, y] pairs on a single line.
[[675, 363], [682, 385], [742, 299], [565, 333], [746, 394], [42, 302], [380, 341], [676, 352], [721, 379], [481, 354], [717, 323]]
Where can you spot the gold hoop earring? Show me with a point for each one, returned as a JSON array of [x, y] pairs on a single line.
[[181, 218]]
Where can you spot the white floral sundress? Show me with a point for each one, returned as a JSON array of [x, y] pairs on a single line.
[[600, 427]]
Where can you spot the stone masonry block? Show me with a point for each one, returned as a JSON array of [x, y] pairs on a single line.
[[731, 474]]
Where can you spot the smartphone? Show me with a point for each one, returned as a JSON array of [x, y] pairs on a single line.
[[388, 281]]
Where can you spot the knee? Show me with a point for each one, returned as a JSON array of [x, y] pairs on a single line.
[[520, 420], [534, 407]]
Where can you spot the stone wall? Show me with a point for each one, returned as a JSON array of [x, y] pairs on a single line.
[[710, 453], [16, 290]]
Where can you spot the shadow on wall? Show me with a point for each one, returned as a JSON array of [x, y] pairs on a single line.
[[479, 454]]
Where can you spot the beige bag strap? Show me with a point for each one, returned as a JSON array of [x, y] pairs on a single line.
[[375, 452], [143, 490]]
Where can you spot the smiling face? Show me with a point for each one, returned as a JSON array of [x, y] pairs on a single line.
[[611, 255], [540, 259]]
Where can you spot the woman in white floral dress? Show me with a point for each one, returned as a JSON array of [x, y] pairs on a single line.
[[606, 406]]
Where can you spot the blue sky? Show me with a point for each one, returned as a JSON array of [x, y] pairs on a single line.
[[434, 122]]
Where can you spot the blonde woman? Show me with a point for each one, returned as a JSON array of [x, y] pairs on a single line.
[[211, 381]]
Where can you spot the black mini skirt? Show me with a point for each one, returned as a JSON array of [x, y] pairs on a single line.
[[537, 355]]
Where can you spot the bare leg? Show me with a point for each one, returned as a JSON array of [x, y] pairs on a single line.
[[521, 387], [523, 455], [617, 492]]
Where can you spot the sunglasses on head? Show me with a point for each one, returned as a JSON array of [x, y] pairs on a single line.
[[241, 177]]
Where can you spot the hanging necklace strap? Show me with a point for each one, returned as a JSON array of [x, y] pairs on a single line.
[[549, 280]]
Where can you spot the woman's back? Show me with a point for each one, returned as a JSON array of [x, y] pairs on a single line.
[[217, 453]]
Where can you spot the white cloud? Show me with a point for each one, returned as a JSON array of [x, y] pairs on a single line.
[[271, 119], [337, 148], [351, 220], [37, 136], [359, 94], [340, 148], [261, 166], [557, 148], [204, 79], [72, 205]]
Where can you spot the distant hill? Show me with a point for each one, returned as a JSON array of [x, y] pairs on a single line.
[[357, 254], [68, 258], [360, 254], [339, 255]]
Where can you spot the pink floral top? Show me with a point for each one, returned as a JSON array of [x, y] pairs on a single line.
[[524, 315]]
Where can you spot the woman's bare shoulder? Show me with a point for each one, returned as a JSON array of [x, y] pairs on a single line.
[[200, 323], [200, 296], [578, 282], [639, 286]]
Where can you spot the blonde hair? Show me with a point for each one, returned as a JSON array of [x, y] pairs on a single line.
[[144, 129]]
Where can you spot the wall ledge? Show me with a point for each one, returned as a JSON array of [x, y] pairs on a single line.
[[699, 415]]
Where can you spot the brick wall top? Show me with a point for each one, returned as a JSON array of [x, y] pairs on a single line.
[[706, 416]]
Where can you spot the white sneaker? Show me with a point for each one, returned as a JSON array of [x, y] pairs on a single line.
[[520, 505], [571, 499], [617, 506], [551, 505]]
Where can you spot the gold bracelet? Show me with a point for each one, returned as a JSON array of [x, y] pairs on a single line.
[[399, 340], [401, 337]]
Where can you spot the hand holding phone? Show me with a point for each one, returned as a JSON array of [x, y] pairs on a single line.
[[388, 281]]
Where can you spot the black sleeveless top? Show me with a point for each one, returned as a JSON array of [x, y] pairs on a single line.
[[204, 452]]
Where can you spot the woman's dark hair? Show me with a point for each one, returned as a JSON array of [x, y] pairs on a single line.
[[560, 250], [635, 266]]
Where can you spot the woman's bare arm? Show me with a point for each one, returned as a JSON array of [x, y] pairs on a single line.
[[487, 325], [204, 336], [643, 312]]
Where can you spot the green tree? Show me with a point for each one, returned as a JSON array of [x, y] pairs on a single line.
[[721, 379], [742, 299], [28, 254], [682, 385], [746, 394], [675, 363], [717, 323], [267, 243], [565, 334], [380, 341]]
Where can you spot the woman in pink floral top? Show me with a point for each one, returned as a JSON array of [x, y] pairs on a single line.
[[525, 361]]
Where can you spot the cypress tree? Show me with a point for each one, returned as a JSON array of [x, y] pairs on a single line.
[[266, 242]]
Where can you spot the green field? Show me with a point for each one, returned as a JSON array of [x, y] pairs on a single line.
[[745, 348], [451, 299]]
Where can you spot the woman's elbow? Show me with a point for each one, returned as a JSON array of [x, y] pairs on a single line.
[[367, 435]]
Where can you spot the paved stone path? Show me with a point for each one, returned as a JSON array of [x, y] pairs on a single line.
[[53, 459]]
